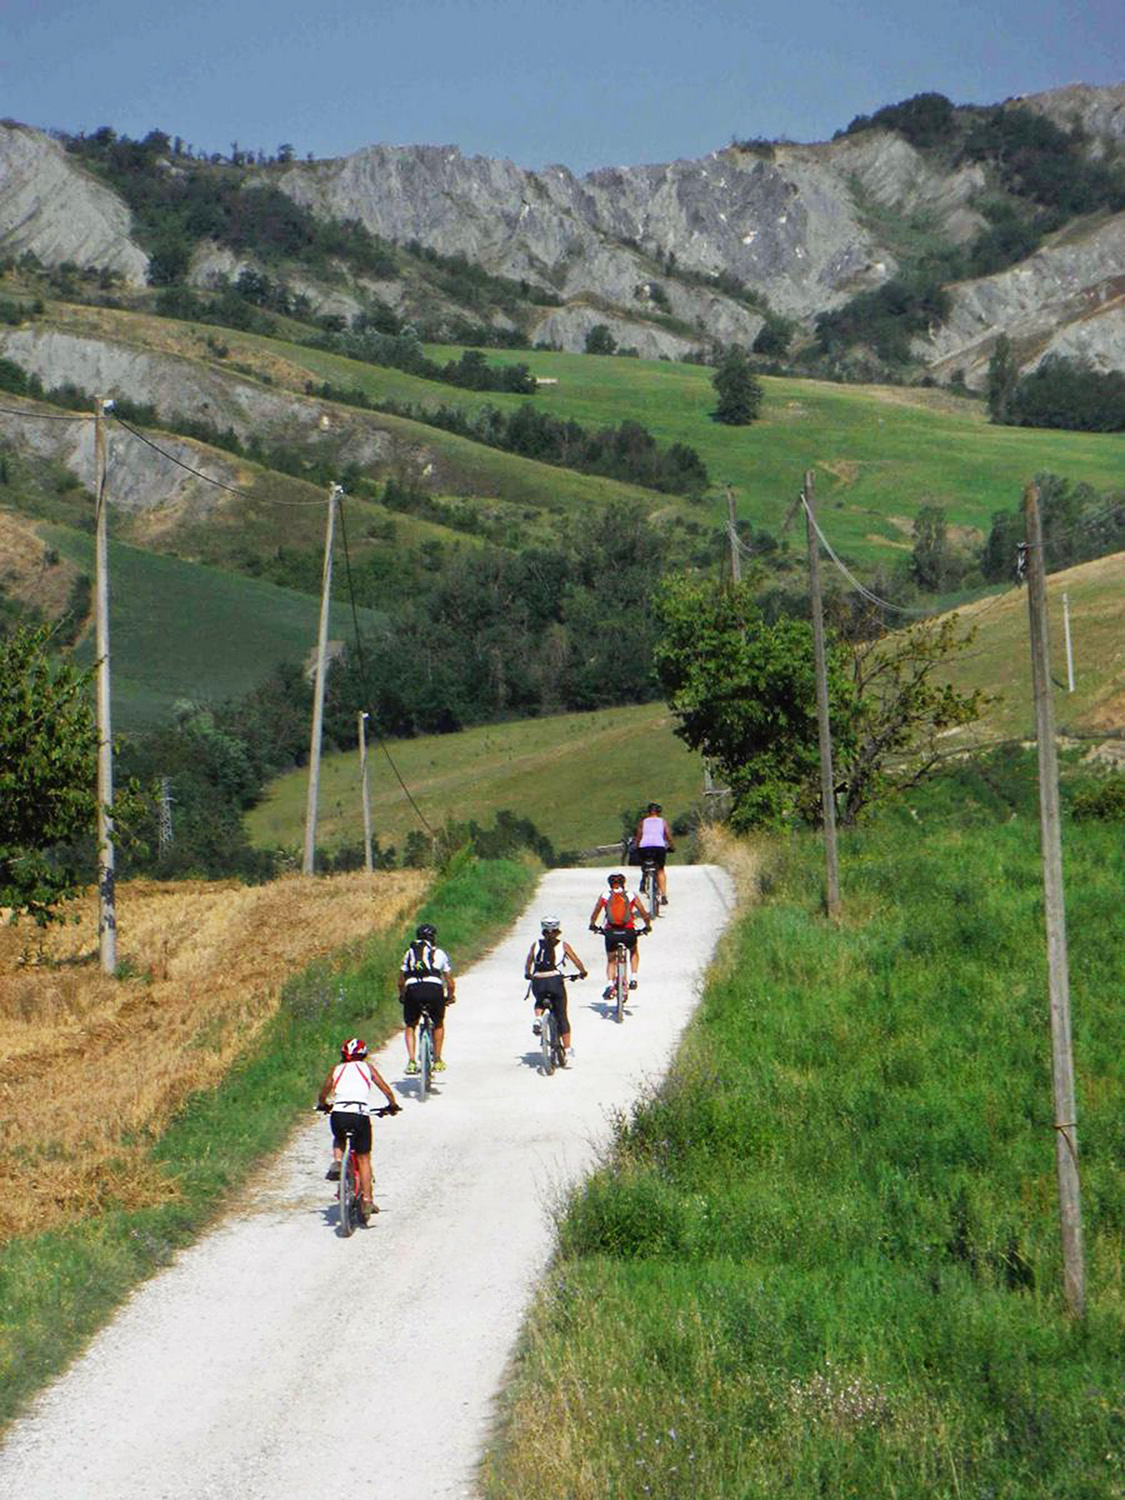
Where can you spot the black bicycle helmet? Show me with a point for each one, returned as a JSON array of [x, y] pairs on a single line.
[[426, 933], [655, 807]]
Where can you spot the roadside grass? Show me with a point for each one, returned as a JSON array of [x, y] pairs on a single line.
[[57, 1288], [571, 774], [823, 1256]]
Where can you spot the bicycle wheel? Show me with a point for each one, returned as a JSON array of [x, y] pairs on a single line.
[[621, 982], [547, 1042], [425, 1059], [346, 1193], [653, 902], [559, 1050]]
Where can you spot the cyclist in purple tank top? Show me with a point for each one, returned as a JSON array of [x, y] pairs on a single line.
[[653, 840]]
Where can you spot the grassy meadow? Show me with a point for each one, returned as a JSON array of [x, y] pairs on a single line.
[[196, 1064], [823, 1256], [571, 774]]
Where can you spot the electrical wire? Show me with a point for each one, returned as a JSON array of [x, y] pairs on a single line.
[[363, 672], [854, 581], [47, 416], [219, 484]]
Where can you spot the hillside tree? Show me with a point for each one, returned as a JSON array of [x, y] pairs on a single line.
[[48, 774], [1003, 377], [738, 390], [744, 692]]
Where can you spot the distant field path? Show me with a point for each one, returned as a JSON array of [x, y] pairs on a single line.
[[240, 1370]]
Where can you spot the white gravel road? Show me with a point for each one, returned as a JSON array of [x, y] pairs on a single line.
[[276, 1361]]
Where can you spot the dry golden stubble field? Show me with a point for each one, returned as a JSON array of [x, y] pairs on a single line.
[[91, 1068]]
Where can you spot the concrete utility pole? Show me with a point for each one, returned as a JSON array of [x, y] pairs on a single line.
[[732, 532], [107, 892], [827, 782], [1058, 978], [1069, 651], [368, 862], [309, 861]]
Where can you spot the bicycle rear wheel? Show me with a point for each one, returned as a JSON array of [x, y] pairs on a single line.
[[346, 1192], [621, 983], [547, 1042], [425, 1060]]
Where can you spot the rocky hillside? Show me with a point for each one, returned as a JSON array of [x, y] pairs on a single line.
[[669, 257]]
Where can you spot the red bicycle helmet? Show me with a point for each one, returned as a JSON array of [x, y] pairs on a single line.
[[354, 1049]]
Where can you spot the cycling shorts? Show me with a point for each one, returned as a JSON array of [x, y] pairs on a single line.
[[651, 855], [550, 993], [359, 1126], [423, 994], [616, 935]]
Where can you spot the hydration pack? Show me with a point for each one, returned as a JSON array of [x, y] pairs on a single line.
[[544, 960], [617, 907], [420, 962]]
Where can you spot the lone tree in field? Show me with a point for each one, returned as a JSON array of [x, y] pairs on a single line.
[[744, 692], [48, 774], [738, 390]]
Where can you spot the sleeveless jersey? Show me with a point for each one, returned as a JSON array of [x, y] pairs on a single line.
[[652, 834], [351, 1083]]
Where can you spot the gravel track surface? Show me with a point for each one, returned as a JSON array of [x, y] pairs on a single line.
[[276, 1361]]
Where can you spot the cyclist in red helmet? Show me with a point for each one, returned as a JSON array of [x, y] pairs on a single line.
[[619, 908], [347, 1093]]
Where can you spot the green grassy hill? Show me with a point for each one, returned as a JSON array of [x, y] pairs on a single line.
[[573, 773], [183, 630]]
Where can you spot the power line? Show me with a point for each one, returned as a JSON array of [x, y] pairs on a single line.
[[363, 672], [46, 416], [219, 484], [854, 581]]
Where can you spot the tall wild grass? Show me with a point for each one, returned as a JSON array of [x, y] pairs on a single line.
[[823, 1258]]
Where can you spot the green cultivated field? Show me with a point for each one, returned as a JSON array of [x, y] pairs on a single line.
[[880, 452], [572, 775], [181, 630], [823, 1258]]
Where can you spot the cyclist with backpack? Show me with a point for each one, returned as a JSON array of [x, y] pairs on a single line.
[[620, 908], [346, 1092], [544, 968], [425, 982], [653, 841]]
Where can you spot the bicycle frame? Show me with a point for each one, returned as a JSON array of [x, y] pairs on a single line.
[[650, 888], [425, 1053]]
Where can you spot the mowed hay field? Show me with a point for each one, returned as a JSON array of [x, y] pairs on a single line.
[[115, 1058]]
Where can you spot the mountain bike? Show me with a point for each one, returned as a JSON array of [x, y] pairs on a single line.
[[552, 1053], [348, 1192], [650, 888], [620, 982], [425, 1053]]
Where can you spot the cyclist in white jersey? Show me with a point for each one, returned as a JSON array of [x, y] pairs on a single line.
[[425, 982], [653, 841], [347, 1093]]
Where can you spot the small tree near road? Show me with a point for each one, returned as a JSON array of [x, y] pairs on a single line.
[[738, 390], [48, 774]]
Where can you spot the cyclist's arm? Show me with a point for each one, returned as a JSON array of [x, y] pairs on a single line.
[[599, 907], [668, 844], [326, 1087], [380, 1083], [528, 962], [569, 952], [639, 906], [450, 985]]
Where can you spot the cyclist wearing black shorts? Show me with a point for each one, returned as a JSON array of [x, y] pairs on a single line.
[[346, 1092], [653, 841], [544, 967], [621, 909], [425, 982]]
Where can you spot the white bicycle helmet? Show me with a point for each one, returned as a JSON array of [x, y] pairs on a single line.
[[551, 924]]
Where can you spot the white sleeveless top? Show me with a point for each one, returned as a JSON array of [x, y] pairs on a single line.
[[351, 1082], [652, 834]]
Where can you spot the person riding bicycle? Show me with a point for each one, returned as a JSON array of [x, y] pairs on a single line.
[[425, 982], [621, 909], [653, 841], [346, 1092], [544, 967]]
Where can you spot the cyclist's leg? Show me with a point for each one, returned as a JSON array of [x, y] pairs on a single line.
[[363, 1162], [562, 1019]]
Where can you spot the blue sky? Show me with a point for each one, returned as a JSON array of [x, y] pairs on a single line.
[[585, 82]]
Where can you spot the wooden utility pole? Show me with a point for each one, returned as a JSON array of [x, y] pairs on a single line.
[[309, 862], [1069, 649], [368, 862], [107, 893], [732, 532], [1058, 979], [827, 782]]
